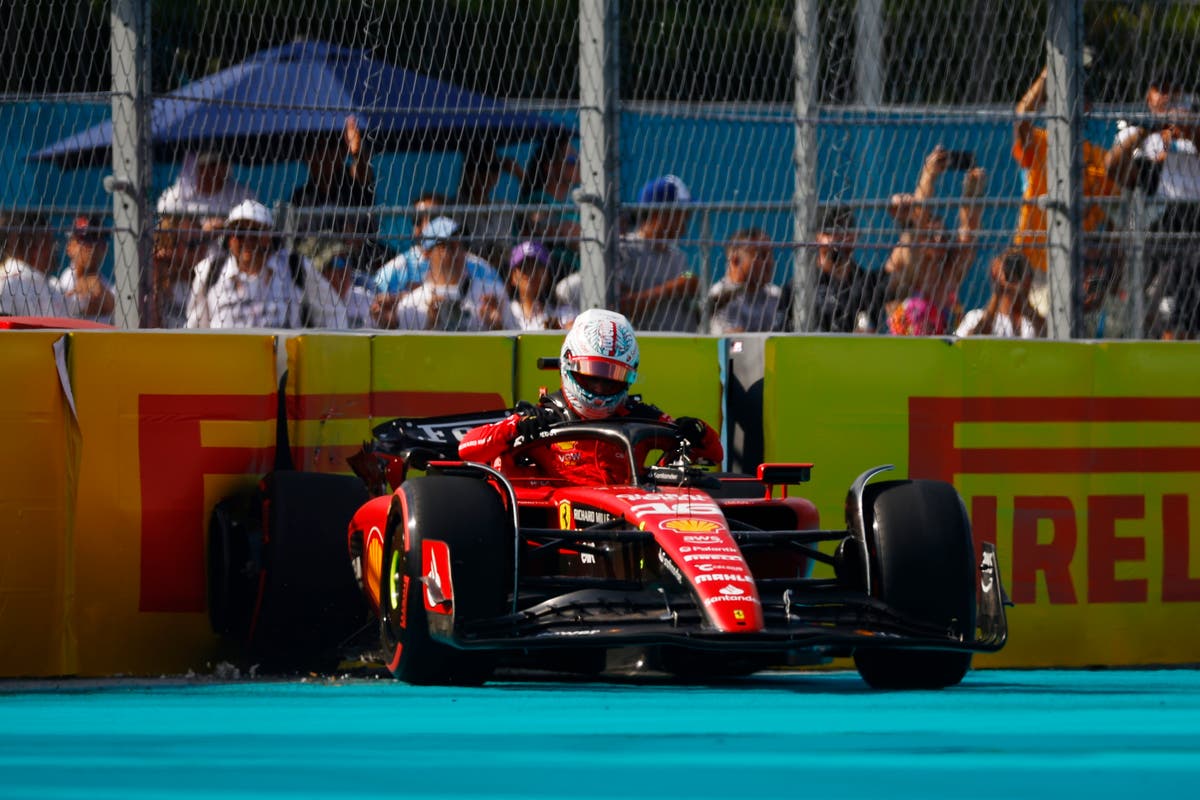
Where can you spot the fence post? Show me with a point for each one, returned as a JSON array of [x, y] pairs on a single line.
[[1064, 165], [1135, 281], [868, 53], [805, 30], [130, 181], [599, 165]]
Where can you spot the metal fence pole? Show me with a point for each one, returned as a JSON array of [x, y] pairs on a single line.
[[868, 52], [1064, 165], [598, 155], [805, 31], [130, 181], [1136, 280]]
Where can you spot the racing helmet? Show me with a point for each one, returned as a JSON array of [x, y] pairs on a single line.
[[598, 363]]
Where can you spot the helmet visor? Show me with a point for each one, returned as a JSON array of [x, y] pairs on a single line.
[[599, 367]]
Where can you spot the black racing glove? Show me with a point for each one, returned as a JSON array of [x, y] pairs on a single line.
[[534, 420], [692, 429]]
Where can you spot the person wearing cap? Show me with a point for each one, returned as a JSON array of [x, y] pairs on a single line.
[[654, 286], [406, 271], [1160, 156], [530, 280], [745, 298], [205, 189], [348, 305], [448, 299], [28, 257], [257, 284], [88, 294], [180, 243], [847, 297]]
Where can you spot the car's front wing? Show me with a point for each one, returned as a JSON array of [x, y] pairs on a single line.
[[604, 617]]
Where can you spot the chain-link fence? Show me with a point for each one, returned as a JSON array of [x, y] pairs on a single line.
[[884, 166]]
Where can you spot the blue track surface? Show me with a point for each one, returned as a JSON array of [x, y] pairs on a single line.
[[1008, 734]]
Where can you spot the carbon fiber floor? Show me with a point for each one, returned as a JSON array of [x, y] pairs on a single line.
[[1001, 734]]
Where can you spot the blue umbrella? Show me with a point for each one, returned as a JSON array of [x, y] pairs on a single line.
[[268, 108]]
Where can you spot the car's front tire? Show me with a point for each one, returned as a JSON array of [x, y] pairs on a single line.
[[923, 566], [468, 516]]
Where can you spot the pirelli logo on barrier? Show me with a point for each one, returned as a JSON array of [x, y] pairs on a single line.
[[174, 459], [1082, 543]]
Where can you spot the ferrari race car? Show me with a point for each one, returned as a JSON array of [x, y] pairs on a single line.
[[446, 575]]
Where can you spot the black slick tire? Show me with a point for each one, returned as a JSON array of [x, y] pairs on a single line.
[[310, 602], [923, 566], [468, 515]]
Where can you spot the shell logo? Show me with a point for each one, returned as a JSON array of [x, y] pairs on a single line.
[[690, 525]]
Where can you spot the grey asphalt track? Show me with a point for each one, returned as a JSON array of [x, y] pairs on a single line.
[[1003, 734]]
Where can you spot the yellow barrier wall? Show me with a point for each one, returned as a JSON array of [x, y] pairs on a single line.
[[1079, 460], [170, 423], [329, 399], [35, 538], [1075, 458]]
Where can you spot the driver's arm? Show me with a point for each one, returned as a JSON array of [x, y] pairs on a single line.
[[488, 442]]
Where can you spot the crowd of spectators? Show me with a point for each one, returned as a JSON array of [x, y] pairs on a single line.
[[220, 259]]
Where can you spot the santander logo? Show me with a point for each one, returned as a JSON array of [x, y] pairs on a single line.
[[730, 589]]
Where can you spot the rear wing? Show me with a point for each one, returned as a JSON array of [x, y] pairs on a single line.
[[438, 435]]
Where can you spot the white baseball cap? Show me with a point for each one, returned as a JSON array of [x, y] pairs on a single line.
[[250, 211]]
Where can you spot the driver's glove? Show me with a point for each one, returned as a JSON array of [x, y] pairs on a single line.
[[534, 420], [692, 429]]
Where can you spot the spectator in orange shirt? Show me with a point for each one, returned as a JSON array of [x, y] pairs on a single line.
[[1030, 146]]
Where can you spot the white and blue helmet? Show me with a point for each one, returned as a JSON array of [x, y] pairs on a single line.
[[598, 362]]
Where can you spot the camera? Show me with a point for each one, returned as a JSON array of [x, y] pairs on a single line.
[[1015, 267], [960, 159]]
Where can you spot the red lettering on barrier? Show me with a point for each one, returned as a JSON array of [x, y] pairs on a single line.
[[934, 454], [1178, 586], [1052, 558], [1105, 549], [172, 465]]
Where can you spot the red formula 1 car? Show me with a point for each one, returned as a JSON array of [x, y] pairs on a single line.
[[448, 574]]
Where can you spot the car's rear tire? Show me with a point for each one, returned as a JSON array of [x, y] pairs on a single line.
[[310, 603], [468, 515], [923, 565]]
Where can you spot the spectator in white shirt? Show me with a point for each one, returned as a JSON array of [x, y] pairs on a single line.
[[257, 284], [1008, 312], [205, 188], [29, 255], [348, 305], [448, 299], [530, 278]]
